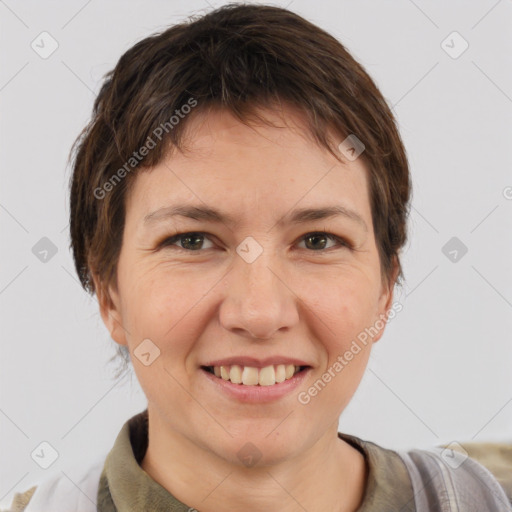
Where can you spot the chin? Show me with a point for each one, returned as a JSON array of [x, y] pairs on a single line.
[[258, 450]]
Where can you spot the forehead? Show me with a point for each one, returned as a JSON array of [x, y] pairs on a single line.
[[251, 170], [218, 132]]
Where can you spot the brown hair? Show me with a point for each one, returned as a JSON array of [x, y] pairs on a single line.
[[238, 57]]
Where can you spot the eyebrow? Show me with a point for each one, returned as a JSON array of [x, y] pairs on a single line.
[[298, 216]]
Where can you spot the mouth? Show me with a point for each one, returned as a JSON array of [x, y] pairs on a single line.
[[271, 375]]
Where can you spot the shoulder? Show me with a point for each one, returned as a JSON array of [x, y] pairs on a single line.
[[469, 476], [60, 493], [494, 456], [447, 474]]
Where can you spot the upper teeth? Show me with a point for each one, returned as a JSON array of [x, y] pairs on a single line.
[[250, 376]]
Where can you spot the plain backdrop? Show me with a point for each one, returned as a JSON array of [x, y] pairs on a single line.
[[442, 370]]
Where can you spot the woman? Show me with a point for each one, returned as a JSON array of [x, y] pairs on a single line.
[[239, 204]]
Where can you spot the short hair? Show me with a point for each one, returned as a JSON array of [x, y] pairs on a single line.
[[240, 57]]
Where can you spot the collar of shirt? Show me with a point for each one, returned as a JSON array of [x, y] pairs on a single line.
[[125, 486]]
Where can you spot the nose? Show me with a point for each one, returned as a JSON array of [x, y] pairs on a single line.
[[258, 300]]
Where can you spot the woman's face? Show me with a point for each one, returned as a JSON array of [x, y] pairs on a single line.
[[258, 288]]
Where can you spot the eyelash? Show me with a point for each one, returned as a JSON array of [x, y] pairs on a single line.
[[342, 243]]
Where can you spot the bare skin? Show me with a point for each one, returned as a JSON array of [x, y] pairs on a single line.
[[199, 301]]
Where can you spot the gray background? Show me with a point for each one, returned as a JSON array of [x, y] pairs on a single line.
[[441, 372]]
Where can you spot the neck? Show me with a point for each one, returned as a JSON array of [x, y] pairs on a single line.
[[331, 475]]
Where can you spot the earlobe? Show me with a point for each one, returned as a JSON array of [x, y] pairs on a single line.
[[110, 311], [386, 302], [389, 296], [390, 287], [381, 320]]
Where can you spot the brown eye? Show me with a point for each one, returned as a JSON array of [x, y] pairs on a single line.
[[194, 242], [189, 241], [318, 241]]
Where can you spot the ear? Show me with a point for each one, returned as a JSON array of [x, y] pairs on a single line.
[[110, 310], [386, 300]]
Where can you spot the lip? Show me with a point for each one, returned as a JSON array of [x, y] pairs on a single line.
[[257, 394], [255, 362]]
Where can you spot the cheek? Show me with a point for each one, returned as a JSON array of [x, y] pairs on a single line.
[[345, 304], [161, 303], [161, 308], [342, 311]]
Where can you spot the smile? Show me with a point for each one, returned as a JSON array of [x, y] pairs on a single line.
[[252, 376]]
